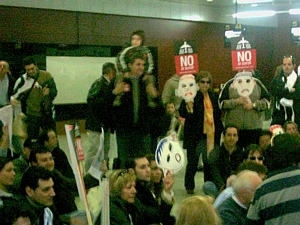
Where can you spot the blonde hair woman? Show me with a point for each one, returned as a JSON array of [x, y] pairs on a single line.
[[198, 210], [125, 209]]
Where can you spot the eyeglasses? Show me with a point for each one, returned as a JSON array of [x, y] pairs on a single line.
[[204, 81], [256, 158]]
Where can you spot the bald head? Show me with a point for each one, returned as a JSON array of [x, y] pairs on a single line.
[[4, 68], [245, 185]]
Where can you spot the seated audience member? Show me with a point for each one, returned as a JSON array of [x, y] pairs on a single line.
[[159, 183], [49, 138], [18, 214], [158, 211], [265, 139], [124, 209], [234, 209], [276, 200], [197, 210], [254, 153], [64, 187], [223, 161], [38, 187], [22, 163], [291, 127], [7, 177], [246, 165], [253, 166]]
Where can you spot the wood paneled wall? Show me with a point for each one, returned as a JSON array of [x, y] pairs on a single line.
[[53, 26]]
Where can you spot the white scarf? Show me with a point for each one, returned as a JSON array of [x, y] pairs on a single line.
[[290, 82], [48, 216]]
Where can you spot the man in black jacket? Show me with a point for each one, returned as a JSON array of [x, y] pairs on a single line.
[[158, 208], [65, 188], [100, 100], [38, 186]]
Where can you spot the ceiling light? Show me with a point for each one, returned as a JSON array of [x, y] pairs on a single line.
[[254, 14], [195, 18], [252, 1], [294, 11], [254, 5]]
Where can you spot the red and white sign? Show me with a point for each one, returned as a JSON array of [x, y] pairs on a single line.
[[243, 59], [242, 54], [186, 59], [186, 64]]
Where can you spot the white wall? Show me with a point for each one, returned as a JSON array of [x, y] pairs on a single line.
[[74, 76]]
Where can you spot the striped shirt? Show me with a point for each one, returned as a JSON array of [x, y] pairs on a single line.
[[277, 199]]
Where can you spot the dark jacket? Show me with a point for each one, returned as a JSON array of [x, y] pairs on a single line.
[[100, 100], [193, 127], [222, 164], [278, 91], [10, 90], [157, 212], [62, 163], [124, 112], [11, 83], [120, 210], [66, 190]]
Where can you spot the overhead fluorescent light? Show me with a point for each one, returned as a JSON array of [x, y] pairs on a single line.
[[195, 18], [254, 14], [294, 11], [252, 1]]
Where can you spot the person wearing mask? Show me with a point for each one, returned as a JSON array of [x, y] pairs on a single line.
[[202, 129]]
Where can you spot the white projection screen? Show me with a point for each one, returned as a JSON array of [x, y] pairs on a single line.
[[74, 76]]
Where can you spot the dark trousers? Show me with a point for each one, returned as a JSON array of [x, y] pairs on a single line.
[[35, 123], [130, 145], [193, 155]]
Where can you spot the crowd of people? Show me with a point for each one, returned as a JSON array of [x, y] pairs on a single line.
[[250, 174]]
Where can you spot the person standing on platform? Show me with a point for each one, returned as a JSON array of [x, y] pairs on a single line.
[[285, 89], [100, 104], [35, 90]]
